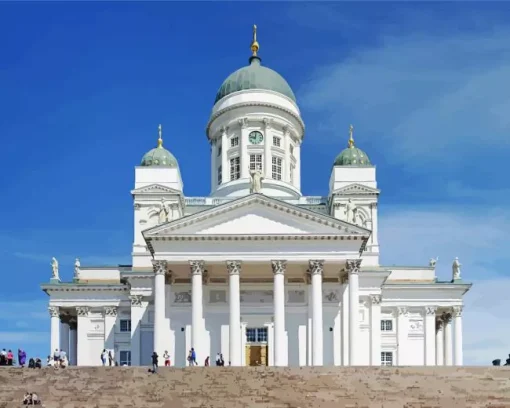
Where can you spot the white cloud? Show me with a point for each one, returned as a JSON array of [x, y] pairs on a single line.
[[411, 237], [424, 98]]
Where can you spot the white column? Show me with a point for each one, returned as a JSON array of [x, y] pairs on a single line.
[[214, 154], [439, 342], [73, 342], [297, 171], [457, 315], [287, 161], [430, 335], [110, 318], [137, 311], [64, 335], [279, 311], [225, 171], [316, 268], [375, 330], [159, 267], [55, 329], [234, 299], [345, 321], [402, 334], [353, 266], [197, 309], [82, 343], [310, 320], [268, 141], [448, 351], [373, 215], [243, 145]]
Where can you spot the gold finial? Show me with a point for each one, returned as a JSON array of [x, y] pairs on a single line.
[[254, 44], [351, 140], [160, 139]]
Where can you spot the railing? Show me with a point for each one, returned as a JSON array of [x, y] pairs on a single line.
[[213, 201]]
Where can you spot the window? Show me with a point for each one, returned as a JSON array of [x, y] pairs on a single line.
[[291, 150], [220, 179], [276, 141], [125, 358], [219, 150], [277, 168], [256, 162], [235, 168], [256, 335], [386, 358], [234, 142], [386, 325], [125, 326], [292, 168]]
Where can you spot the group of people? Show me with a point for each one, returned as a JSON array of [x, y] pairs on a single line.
[[107, 357], [59, 359], [31, 398], [7, 357]]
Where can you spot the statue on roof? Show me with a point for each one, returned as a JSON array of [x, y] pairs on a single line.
[[77, 266], [456, 269], [163, 212], [256, 180], [433, 262], [350, 212], [54, 268]]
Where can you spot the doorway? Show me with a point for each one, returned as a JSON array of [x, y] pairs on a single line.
[[256, 346]]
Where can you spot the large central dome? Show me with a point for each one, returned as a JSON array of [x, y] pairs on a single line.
[[254, 76]]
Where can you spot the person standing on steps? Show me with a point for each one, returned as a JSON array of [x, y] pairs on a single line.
[[166, 356], [154, 363], [104, 357], [193, 357]]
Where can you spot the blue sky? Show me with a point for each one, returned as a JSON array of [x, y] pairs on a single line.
[[83, 87]]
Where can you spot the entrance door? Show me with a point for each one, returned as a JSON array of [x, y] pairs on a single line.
[[256, 346]]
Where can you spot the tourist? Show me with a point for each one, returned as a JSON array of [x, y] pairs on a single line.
[[3, 357], [38, 363], [27, 399], [222, 362], [22, 358], [193, 357], [50, 362], [56, 358], [189, 358], [35, 399], [206, 363], [110, 358], [31, 363], [218, 359], [154, 363], [166, 356], [10, 358], [104, 357], [63, 357]]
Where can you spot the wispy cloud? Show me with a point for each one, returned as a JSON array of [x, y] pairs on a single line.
[[411, 237]]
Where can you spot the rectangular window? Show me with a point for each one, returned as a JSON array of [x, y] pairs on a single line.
[[386, 325], [276, 141], [235, 168], [292, 168], [219, 175], [291, 150], [386, 358], [125, 358], [256, 335], [256, 162], [125, 326], [234, 142], [262, 335], [277, 168]]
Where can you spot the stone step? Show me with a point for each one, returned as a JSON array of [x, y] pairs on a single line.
[[268, 387]]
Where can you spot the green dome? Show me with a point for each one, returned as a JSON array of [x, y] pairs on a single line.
[[254, 76], [352, 156], [159, 156]]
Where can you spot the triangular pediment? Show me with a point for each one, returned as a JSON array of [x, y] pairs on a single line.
[[256, 214], [356, 189], [154, 189]]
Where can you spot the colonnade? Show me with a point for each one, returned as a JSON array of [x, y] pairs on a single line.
[[448, 347]]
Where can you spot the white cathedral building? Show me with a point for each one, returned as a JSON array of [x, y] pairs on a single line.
[[257, 271]]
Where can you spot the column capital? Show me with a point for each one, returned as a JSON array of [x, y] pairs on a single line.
[[234, 267], [136, 300], [224, 130], [375, 299], [353, 266], [243, 122], [267, 122], [457, 311], [110, 311], [373, 205], [159, 267], [83, 311], [196, 267], [54, 311], [402, 311], [285, 130], [279, 266], [316, 266], [430, 310]]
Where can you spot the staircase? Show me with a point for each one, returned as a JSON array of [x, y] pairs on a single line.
[[229, 387]]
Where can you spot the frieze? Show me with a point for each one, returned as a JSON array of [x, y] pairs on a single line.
[[256, 296], [296, 296], [416, 325], [331, 296], [182, 297], [217, 296]]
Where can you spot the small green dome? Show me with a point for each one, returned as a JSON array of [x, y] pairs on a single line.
[[159, 156], [255, 76], [352, 156]]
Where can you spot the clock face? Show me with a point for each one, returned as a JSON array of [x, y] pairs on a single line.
[[255, 137]]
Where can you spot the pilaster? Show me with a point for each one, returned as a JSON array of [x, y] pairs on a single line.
[[279, 267], [402, 334], [225, 170], [243, 147], [345, 321], [82, 344], [137, 312], [353, 267], [430, 335], [267, 148], [316, 268], [235, 346], [457, 316], [375, 330], [110, 318]]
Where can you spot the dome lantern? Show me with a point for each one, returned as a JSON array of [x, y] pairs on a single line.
[[159, 156], [352, 156]]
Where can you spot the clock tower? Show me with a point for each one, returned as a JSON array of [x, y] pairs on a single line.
[[255, 124]]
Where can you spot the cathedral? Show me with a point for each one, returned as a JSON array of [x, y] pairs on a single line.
[[257, 271]]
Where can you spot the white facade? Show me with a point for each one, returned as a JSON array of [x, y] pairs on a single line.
[[272, 277]]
